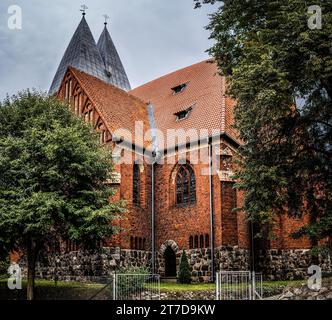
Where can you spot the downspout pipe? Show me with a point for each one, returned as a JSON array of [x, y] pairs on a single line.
[[252, 246], [154, 158], [153, 231], [210, 146]]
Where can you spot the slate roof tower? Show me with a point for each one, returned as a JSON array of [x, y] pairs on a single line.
[[83, 54], [113, 65]]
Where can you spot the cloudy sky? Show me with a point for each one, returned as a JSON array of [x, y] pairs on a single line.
[[153, 37]]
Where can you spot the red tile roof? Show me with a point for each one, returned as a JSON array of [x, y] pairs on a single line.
[[118, 109], [211, 109], [205, 92]]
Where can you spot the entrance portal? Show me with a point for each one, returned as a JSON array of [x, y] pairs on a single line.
[[170, 262]]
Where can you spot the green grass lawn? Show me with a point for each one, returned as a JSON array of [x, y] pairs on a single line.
[[62, 290], [59, 284], [269, 287], [49, 290], [165, 286]]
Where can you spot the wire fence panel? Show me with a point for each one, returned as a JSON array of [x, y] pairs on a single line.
[[112, 287], [257, 286], [136, 287], [239, 285], [69, 288]]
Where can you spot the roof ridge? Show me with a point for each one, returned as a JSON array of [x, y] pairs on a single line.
[[100, 105], [173, 72], [109, 84]]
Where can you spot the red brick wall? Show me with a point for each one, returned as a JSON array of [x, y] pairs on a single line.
[[136, 222], [229, 217], [283, 230], [179, 223], [243, 226]]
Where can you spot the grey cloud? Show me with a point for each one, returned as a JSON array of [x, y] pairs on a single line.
[[153, 37]]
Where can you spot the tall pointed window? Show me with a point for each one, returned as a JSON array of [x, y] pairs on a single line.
[[70, 89], [207, 241], [185, 186], [77, 103], [136, 185], [201, 241], [80, 98], [103, 136], [67, 90], [196, 242], [191, 242]]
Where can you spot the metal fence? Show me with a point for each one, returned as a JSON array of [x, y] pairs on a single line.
[[239, 285], [112, 287], [136, 287], [127, 287]]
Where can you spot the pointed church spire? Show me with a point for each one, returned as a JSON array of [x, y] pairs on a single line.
[[82, 53], [114, 67]]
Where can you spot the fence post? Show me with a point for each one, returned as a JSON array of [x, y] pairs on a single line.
[[250, 285], [217, 285], [253, 285], [159, 288], [114, 286]]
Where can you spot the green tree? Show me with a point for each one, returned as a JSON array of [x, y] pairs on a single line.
[[280, 73], [53, 174], [184, 272]]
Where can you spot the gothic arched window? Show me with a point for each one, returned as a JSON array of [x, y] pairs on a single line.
[[191, 242], [196, 242], [201, 241], [185, 186], [136, 185], [207, 241]]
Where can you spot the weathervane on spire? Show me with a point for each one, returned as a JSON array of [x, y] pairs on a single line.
[[106, 18], [83, 9]]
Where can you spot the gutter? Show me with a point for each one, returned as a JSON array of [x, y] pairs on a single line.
[[200, 143], [211, 209]]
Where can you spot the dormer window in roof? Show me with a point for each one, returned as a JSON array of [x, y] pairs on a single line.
[[180, 88], [183, 114]]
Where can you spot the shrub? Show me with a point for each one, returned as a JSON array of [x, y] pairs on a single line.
[[4, 265], [184, 273]]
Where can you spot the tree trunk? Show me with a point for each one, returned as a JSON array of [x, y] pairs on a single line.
[[32, 253]]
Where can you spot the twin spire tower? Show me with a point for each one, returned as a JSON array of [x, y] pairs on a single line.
[[100, 59]]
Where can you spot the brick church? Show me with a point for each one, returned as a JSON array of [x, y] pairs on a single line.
[[173, 146]]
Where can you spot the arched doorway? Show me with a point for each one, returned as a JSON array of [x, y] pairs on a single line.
[[170, 262]]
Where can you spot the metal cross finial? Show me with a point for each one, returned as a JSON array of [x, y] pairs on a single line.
[[106, 18], [83, 9]]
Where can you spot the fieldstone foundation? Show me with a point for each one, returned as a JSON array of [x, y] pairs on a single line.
[[274, 264], [232, 259], [199, 261], [290, 264], [226, 258], [81, 264]]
